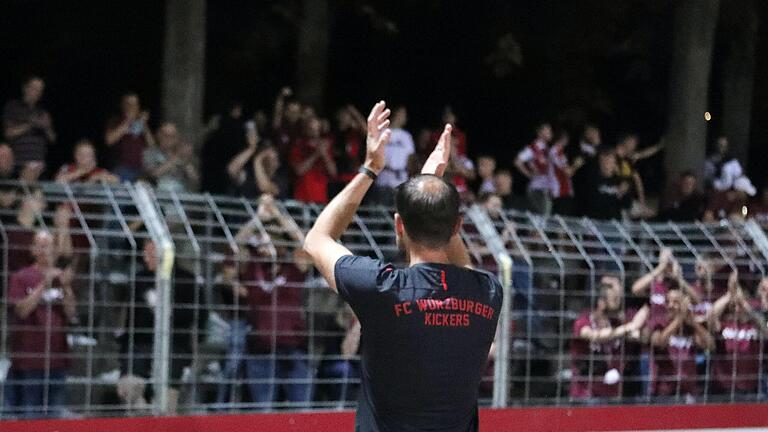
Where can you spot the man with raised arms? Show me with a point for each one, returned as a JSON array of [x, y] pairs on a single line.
[[423, 349]]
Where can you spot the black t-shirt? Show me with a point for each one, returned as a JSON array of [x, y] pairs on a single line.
[[426, 332], [603, 201], [187, 303]]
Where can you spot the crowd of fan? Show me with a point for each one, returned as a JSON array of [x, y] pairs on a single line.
[[674, 339], [297, 154]]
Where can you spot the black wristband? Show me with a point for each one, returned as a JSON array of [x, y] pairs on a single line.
[[369, 173]]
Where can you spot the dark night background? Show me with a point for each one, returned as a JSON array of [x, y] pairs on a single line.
[[600, 61]]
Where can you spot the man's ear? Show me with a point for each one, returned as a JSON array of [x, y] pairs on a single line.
[[458, 225], [399, 226]]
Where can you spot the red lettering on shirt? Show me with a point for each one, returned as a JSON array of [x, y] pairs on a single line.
[[446, 320], [403, 308]]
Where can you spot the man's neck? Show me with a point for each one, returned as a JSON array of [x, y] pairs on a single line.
[[420, 255]]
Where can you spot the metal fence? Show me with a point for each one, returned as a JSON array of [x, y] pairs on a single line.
[[192, 303]]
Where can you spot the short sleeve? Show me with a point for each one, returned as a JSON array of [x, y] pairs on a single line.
[[357, 276], [579, 324], [16, 289]]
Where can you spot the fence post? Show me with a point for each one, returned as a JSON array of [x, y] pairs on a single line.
[[503, 337], [158, 231]]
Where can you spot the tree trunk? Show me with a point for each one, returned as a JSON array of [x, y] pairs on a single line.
[[184, 66], [693, 41], [739, 27], [312, 53]]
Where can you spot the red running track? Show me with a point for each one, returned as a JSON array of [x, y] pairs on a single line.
[[512, 419]]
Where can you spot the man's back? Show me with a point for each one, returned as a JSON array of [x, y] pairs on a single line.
[[426, 332]]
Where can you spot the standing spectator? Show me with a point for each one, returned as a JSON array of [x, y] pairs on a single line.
[[240, 276], [654, 286], [137, 342], [560, 174], [597, 358], [170, 165], [397, 152], [720, 167], [461, 169], [705, 289], [486, 167], [313, 164], [502, 182], [739, 341], [222, 146], [277, 347], [255, 171], [627, 172], [286, 122], [85, 168], [591, 143], [731, 203], [348, 146], [21, 230], [606, 190], [28, 127], [673, 343], [8, 170], [686, 203], [43, 304], [533, 163], [128, 136], [758, 209], [589, 148]]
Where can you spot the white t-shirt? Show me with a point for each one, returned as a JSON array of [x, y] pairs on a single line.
[[535, 156], [396, 154]]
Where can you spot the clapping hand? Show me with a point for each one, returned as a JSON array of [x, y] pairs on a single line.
[[378, 137], [440, 157]]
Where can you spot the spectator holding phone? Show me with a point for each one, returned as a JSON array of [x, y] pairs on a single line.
[[43, 304], [254, 170]]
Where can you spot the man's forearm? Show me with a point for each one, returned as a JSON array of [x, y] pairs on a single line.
[[337, 215]]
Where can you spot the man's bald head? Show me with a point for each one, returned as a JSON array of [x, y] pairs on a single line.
[[429, 208]]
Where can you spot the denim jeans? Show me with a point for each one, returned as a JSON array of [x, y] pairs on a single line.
[[285, 365], [238, 332], [342, 371], [40, 394]]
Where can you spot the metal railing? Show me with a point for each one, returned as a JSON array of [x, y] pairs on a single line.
[[192, 303]]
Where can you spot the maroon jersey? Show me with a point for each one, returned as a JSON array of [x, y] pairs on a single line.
[[674, 365], [594, 359], [38, 341], [738, 355], [658, 303], [708, 298], [275, 307]]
